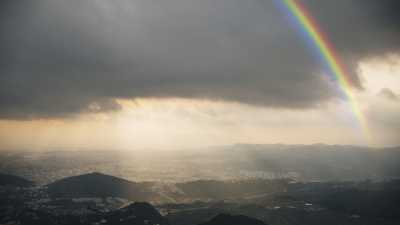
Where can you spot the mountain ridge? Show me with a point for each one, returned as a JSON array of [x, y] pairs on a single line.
[[100, 185]]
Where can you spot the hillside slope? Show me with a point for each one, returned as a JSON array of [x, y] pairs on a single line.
[[101, 185], [15, 181]]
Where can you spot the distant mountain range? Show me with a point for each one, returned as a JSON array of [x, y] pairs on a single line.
[[318, 162], [15, 181]]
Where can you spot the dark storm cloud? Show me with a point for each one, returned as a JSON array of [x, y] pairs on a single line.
[[59, 58]]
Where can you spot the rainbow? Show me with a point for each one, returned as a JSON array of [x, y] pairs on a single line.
[[329, 55]]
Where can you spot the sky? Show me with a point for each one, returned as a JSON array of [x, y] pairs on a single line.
[[146, 74]]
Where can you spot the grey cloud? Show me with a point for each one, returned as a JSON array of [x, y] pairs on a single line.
[[59, 58], [389, 94]]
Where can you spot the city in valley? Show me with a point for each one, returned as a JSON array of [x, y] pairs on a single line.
[[273, 184]]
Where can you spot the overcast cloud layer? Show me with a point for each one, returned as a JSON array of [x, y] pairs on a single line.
[[59, 58]]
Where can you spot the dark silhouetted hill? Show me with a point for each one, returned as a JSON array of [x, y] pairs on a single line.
[[226, 219], [15, 181], [138, 213], [101, 185]]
